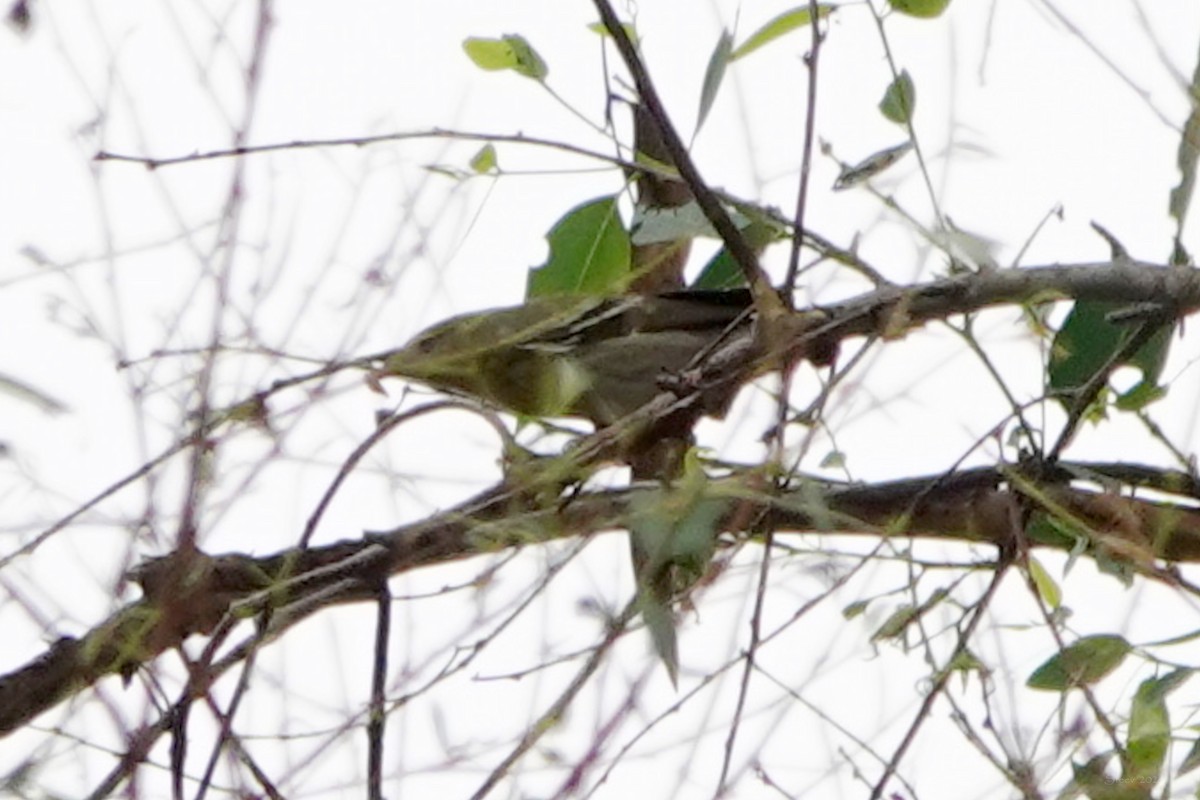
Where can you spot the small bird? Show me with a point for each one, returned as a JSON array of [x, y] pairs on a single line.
[[565, 356], [602, 359]]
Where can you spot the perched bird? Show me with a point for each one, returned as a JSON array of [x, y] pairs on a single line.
[[563, 356], [602, 359]]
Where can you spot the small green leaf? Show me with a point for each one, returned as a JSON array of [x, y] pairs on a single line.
[[253, 410], [1092, 781], [1080, 664], [660, 624], [920, 8], [598, 27], [1165, 684], [900, 99], [508, 52], [1149, 730], [834, 459], [1140, 396], [759, 230], [721, 272], [965, 661], [894, 626], [855, 609], [1088, 341], [529, 63], [778, 26], [589, 252], [490, 54], [870, 166], [454, 173], [714, 73], [1047, 587], [675, 530], [485, 160]]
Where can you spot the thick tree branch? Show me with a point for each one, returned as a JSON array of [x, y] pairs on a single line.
[[195, 593], [191, 593], [893, 311]]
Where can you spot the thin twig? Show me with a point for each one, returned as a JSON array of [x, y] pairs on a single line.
[[737, 245]]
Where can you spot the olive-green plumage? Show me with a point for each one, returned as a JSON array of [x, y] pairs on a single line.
[[603, 359], [599, 359]]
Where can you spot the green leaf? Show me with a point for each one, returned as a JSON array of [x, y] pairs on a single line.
[[855, 609], [529, 63], [1080, 664], [759, 230], [485, 160], [677, 532], [1140, 396], [1047, 587], [589, 252], [252, 410], [695, 538], [490, 54], [508, 52], [894, 626], [920, 8], [1165, 684], [454, 173], [966, 661], [870, 166], [1092, 781], [676, 528], [1088, 341], [598, 27], [721, 272], [1046, 529], [782, 24], [900, 99], [834, 459], [1150, 728], [659, 620], [714, 73]]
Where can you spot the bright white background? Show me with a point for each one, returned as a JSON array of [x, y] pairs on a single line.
[[342, 251]]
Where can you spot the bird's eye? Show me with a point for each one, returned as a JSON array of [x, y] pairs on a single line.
[[427, 344]]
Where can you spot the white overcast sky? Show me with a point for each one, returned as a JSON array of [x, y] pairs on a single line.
[[1024, 107]]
